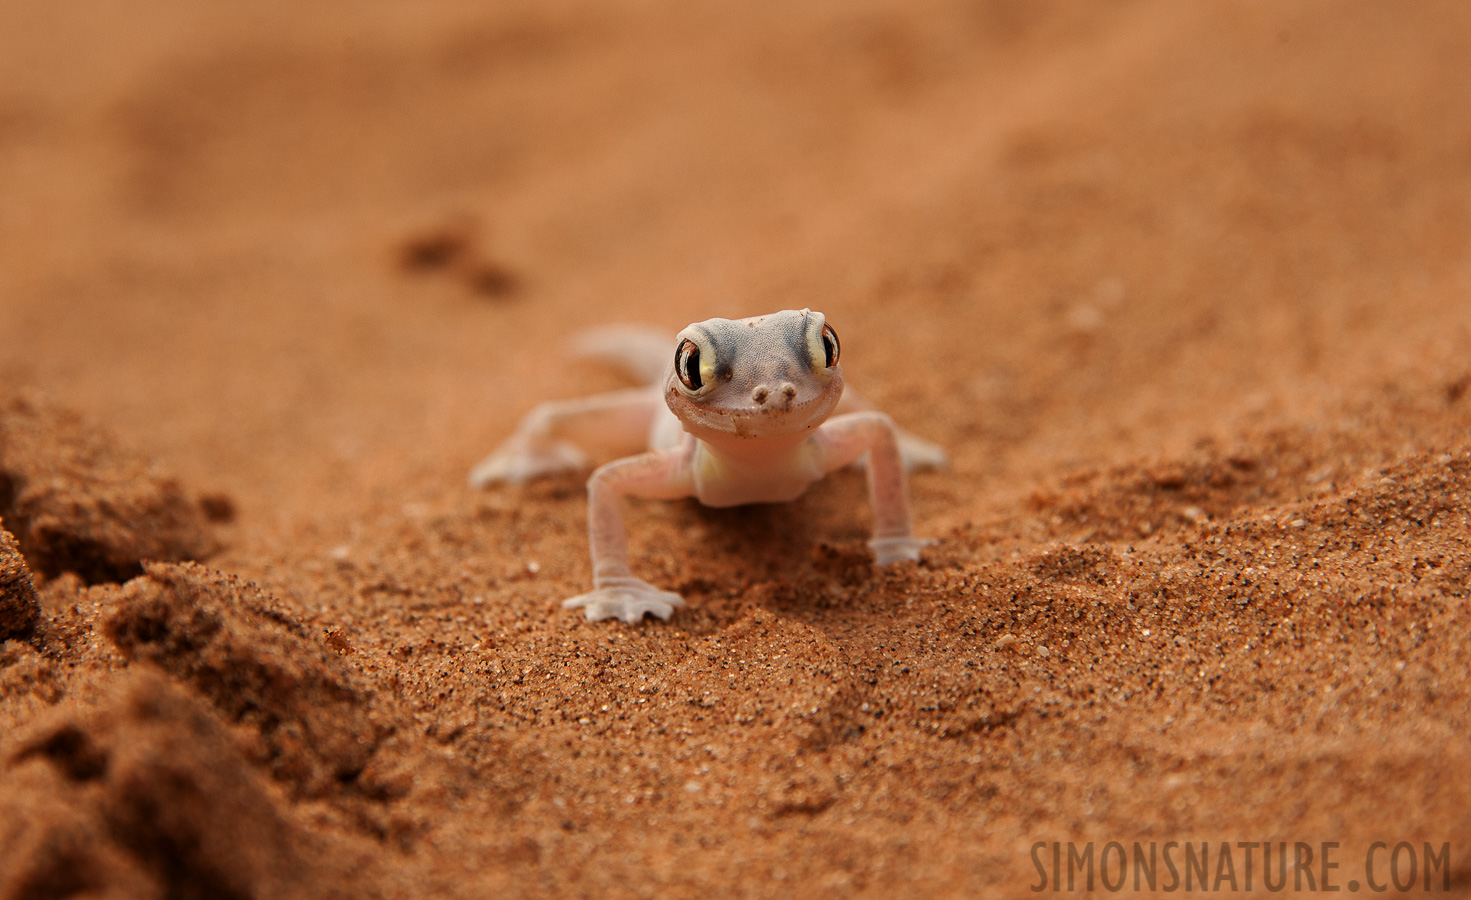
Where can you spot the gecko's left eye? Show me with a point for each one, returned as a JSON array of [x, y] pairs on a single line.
[[830, 346]]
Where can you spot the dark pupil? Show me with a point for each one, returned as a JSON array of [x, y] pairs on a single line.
[[830, 346], [689, 364]]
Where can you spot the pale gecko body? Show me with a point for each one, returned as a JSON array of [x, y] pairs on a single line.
[[739, 415]]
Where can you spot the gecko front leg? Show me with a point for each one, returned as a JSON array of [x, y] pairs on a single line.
[[616, 593], [844, 439]]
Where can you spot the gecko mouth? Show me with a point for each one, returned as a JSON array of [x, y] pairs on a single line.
[[781, 413]]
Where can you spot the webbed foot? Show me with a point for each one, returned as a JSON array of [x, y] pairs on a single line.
[[627, 599], [897, 549]]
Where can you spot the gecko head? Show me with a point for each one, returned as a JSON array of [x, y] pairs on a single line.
[[767, 376]]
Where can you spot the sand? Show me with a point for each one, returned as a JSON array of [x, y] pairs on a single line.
[[1183, 289]]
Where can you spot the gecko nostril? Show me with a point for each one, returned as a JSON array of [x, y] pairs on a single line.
[[789, 391], [759, 394]]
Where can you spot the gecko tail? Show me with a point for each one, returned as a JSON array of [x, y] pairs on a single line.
[[642, 351]]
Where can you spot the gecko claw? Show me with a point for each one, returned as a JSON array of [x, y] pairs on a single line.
[[626, 599]]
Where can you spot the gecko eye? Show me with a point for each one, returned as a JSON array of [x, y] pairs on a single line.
[[687, 364], [830, 347]]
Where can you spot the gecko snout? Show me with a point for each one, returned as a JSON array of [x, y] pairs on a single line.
[[781, 398]]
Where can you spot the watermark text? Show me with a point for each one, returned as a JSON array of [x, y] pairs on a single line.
[[1211, 866]]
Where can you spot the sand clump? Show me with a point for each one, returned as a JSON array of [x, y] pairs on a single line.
[[18, 606], [256, 664], [148, 797], [78, 503]]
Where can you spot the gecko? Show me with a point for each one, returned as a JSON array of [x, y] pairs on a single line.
[[741, 412]]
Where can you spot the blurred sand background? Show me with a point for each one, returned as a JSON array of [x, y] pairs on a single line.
[[1183, 288]]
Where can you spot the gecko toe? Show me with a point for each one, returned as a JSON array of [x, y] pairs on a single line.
[[628, 600]]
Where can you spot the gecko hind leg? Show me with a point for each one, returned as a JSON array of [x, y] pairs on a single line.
[[915, 453], [555, 437]]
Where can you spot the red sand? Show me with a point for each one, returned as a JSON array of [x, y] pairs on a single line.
[[1183, 288]]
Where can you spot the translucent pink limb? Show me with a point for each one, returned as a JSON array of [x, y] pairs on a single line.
[[915, 452], [552, 437], [846, 438], [616, 592]]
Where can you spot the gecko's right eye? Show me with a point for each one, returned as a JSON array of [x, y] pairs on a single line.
[[687, 364]]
